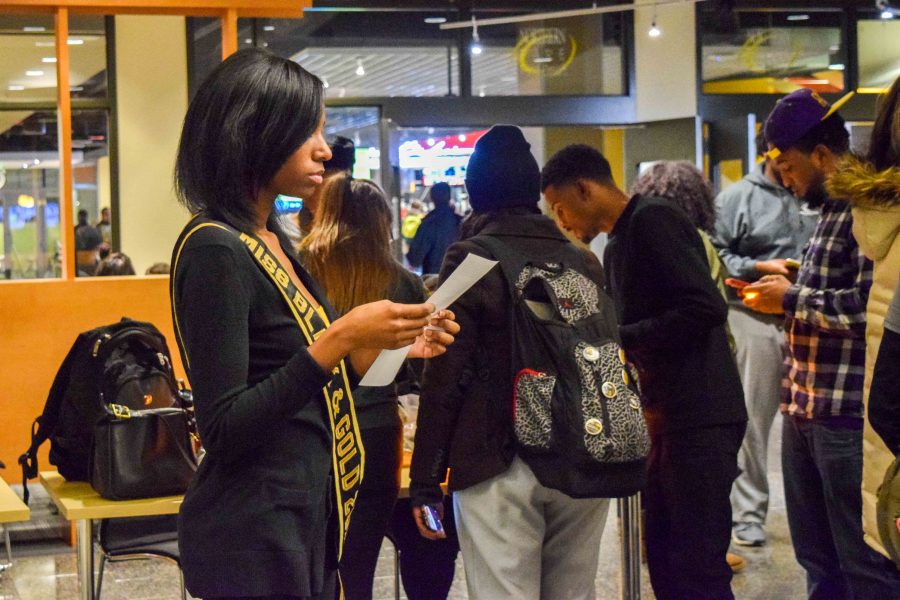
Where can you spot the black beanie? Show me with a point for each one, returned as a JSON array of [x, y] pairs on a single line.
[[502, 173]]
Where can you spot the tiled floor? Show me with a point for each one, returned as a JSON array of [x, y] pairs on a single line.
[[771, 573]]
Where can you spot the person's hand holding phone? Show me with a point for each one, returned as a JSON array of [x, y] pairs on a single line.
[[767, 294], [429, 519]]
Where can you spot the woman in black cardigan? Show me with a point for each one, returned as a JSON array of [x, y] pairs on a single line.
[[265, 514]]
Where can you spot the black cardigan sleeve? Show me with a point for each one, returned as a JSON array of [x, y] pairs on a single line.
[[213, 304], [665, 244]]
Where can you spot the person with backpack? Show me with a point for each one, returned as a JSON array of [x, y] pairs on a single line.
[[532, 409], [271, 366], [672, 326]]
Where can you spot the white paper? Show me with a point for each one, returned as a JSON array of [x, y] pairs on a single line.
[[385, 368]]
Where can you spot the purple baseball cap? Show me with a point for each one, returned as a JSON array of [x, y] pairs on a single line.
[[795, 115]]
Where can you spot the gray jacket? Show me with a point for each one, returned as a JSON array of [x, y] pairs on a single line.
[[759, 220]]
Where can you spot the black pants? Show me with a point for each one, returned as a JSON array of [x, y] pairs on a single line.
[[373, 509], [688, 527], [426, 566]]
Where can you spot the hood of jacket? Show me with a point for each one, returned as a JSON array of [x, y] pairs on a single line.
[[758, 178], [875, 197]]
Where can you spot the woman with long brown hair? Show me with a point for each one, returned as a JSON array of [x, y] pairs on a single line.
[[348, 251]]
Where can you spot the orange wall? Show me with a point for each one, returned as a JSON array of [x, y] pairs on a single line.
[[40, 320]]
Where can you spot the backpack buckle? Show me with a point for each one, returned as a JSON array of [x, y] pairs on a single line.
[[121, 412]]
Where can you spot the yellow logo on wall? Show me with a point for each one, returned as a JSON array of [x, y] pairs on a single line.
[[547, 51]]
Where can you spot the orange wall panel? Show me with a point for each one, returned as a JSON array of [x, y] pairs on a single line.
[[40, 321]]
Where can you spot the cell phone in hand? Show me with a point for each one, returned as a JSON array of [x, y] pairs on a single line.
[[432, 518], [736, 283]]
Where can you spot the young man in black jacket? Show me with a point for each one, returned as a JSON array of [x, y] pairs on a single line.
[[672, 327], [519, 537]]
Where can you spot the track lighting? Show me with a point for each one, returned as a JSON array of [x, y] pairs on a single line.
[[476, 47]]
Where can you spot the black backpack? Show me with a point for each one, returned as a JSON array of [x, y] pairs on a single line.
[[127, 363], [576, 410]]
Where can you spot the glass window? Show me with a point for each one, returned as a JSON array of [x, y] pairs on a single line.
[[574, 56], [879, 53], [360, 124], [771, 52], [375, 54], [28, 47], [30, 190]]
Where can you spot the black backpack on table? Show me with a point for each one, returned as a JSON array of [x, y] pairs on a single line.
[[576, 412], [126, 364]]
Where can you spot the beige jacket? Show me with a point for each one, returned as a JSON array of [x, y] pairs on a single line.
[[875, 197]]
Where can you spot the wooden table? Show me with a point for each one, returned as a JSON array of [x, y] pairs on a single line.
[[11, 510], [77, 501]]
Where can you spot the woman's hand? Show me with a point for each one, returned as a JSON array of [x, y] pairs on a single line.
[[439, 334], [386, 325], [367, 329]]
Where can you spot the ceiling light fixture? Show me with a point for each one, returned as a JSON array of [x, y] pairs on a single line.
[[654, 31], [476, 47], [16, 88], [565, 14], [435, 20], [34, 73], [48, 59], [75, 42], [34, 29], [798, 17], [269, 28], [360, 69], [836, 67], [887, 11]]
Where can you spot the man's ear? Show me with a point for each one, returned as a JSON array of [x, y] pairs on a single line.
[[823, 158], [583, 188]]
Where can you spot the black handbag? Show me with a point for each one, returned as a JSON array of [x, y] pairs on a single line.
[[142, 453]]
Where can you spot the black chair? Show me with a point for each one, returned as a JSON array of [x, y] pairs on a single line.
[[136, 538]]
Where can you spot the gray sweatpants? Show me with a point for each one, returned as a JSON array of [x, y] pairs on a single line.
[[759, 339], [523, 541]]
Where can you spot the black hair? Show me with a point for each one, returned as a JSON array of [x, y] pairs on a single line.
[[116, 263], [440, 193], [762, 146], [830, 133], [574, 162], [248, 117], [343, 155], [884, 147], [82, 217]]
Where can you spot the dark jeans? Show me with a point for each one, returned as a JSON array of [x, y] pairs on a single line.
[[822, 467], [688, 511], [373, 509], [426, 566]]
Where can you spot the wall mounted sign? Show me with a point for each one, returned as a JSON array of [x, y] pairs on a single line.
[[545, 51]]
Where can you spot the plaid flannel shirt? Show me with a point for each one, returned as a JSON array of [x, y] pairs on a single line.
[[825, 323]]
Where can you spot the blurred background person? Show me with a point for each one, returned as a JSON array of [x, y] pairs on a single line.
[[116, 263], [758, 225], [348, 252], [343, 158], [160, 268], [438, 230], [88, 243]]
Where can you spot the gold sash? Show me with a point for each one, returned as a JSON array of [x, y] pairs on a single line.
[[347, 452]]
